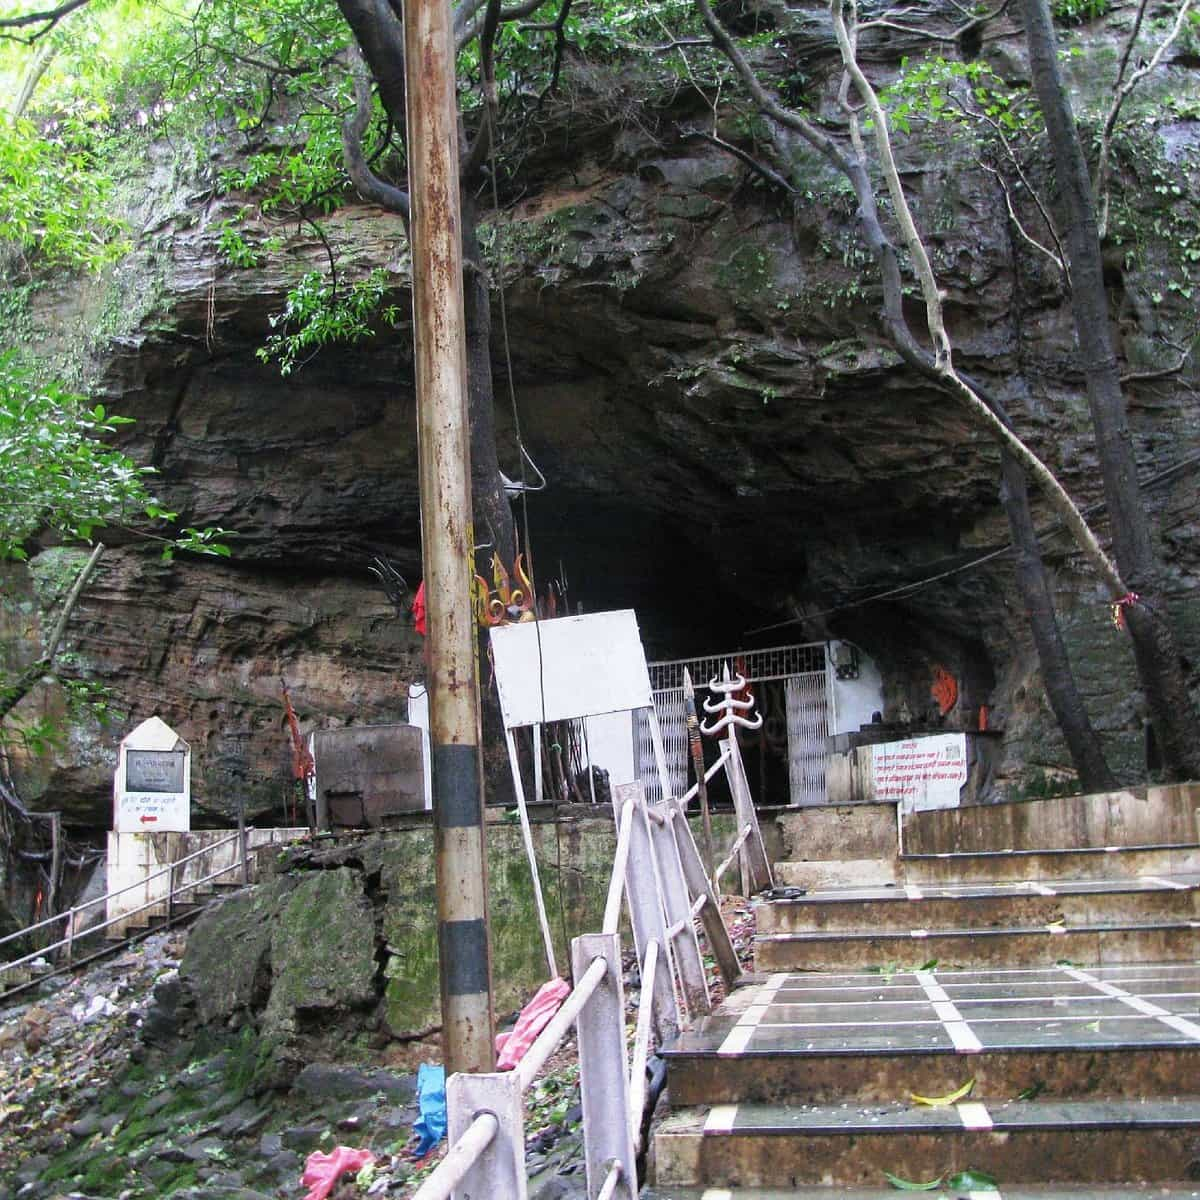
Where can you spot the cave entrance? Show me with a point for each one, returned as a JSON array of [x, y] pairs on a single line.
[[785, 758]]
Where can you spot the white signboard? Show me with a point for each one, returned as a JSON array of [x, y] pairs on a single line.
[[921, 773], [569, 668], [152, 791]]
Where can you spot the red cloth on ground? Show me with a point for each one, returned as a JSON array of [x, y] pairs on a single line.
[[322, 1171], [535, 1016]]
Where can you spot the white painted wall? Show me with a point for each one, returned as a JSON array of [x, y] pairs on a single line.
[[852, 702]]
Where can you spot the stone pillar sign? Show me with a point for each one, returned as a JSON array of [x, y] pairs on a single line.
[[152, 791]]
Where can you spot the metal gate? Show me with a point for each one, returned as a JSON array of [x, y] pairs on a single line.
[[673, 724], [808, 728], [801, 667]]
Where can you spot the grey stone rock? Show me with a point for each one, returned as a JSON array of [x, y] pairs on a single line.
[[303, 1137], [270, 1144], [330, 1081]]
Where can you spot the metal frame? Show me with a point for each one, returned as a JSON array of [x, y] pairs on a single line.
[[174, 893], [658, 872]]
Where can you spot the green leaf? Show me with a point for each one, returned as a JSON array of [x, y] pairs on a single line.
[[972, 1181], [909, 1185]]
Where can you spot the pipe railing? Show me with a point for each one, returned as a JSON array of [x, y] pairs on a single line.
[[657, 870], [172, 893], [120, 891], [734, 850]]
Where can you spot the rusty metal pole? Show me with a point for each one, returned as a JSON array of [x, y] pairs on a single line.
[[444, 450]]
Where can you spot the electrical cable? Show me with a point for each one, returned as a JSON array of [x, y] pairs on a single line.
[[905, 589], [523, 457]]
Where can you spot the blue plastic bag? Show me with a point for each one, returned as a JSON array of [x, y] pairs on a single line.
[[430, 1126]]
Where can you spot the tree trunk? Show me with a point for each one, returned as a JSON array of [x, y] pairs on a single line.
[[1057, 676], [14, 693], [492, 510], [1157, 658]]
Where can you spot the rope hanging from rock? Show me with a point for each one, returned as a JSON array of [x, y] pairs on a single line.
[[520, 489]]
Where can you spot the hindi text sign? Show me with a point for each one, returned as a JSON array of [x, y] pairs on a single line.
[[921, 773], [152, 789]]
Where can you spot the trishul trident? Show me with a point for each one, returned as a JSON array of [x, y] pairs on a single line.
[[729, 707]]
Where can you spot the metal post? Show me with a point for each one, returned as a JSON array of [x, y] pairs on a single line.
[[500, 1169], [646, 910], [603, 1081], [448, 541], [755, 868], [242, 840], [677, 906], [698, 884]]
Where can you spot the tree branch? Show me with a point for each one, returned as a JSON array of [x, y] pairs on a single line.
[[12, 695], [759, 168], [1022, 232], [369, 185], [48, 18], [1124, 87]]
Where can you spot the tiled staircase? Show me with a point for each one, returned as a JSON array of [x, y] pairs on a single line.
[[1059, 977]]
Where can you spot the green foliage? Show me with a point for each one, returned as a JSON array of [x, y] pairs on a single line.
[[937, 90], [54, 202], [317, 313], [1078, 12], [59, 473]]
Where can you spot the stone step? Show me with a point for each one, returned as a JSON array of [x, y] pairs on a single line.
[[1098, 862], [1046, 945], [1119, 1032], [973, 906], [1090, 1191], [816, 874], [758, 1145]]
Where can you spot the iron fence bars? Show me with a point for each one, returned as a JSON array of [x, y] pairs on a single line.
[[807, 730], [775, 662]]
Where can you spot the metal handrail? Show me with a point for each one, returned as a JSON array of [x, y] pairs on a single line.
[[747, 830], [460, 1158], [641, 1045], [630, 1094], [170, 867], [556, 1029], [156, 903]]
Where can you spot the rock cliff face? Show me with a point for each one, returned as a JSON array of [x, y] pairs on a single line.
[[699, 376]]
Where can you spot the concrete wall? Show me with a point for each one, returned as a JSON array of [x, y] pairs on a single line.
[[1132, 817]]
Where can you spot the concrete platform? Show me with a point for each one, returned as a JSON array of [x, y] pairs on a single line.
[[751, 1145], [1058, 1032], [988, 905], [1019, 1192], [1045, 945], [1095, 862]]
